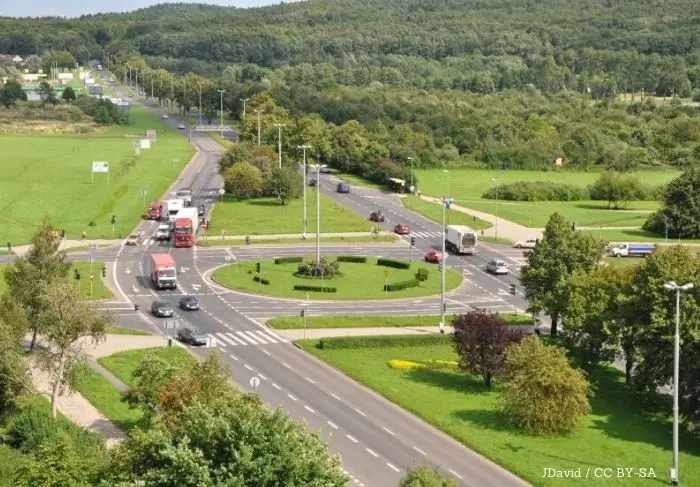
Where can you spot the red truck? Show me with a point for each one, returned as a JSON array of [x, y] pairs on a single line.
[[163, 271], [154, 210], [186, 223]]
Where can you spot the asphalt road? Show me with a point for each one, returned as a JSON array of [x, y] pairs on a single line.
[[377, 440]]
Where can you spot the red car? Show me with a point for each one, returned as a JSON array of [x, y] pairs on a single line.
[[433, 257], [376, 216], [402, 229]]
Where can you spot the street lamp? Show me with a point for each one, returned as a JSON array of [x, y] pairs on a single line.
[[258, 111], [222, 111], [411, 188], [199, 84], [303, 148], [244, 100], [319, 166], [445, 204], [497, 205], [672, 286], [279, 142]]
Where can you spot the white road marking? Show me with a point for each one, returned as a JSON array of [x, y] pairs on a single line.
[[310, 380], [245, 337], [336, 397], [267, 353], [309, 409], [392, 467], [276, 386], [455, 474], [286, 365], [259, 334], [351, 439], [360, 412], [291, 397], [371, 452], [419, 450], [262, 376], [388, 430], [233, 357], [332, 425], [225, 339], [236, 339], [249, 367]]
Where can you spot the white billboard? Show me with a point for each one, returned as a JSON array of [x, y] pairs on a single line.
[[145, 144], [65, 75], [100, 166], [31, 77]]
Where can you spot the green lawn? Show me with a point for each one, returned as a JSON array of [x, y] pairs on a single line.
[[50, 175], [297, 322], [122, 364], [622, 261], [263, 216], [295, 241], [354, 284], [617, 433], [635, 236], [99, 291], [433, 212], [121, 330]]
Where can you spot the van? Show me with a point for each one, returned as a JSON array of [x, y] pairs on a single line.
[[343, 188], [497, 266]]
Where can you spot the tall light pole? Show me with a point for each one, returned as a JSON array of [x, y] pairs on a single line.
[[279, 142], [222, 111], [672, 286], [445, 204], [258, 111], [244, 100], [318, 208], [303, 148], [411, 159], [199, 84], [497, 207]]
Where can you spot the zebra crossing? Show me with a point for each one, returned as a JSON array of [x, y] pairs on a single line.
[[426, 234], [246, 338]]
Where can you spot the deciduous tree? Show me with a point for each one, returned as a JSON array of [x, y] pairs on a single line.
[[243, 180], [47, 94], [284, 183], [680, 215], [426, 475], [56, 465], [68, 94], [14, 376], [617, 188], [151, 377]]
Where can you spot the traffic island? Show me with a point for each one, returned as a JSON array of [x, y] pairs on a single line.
[[349, 278]]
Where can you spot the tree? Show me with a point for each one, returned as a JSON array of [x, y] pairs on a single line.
[[284, 183], [151, 377], [617, 188], [680, 215], [14, 376], [57, 465], [480, 339], [552, 262], [15, 91], [542, 393], [243, 181], [426, 475], [64, 321], [6, 99], [47, 94], [68, 94], [27, 276]]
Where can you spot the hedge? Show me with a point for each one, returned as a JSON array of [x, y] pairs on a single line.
[[422, 274], [288, 260], [384, 341], [398, 264], [537, 191], [316, 289], [359, 259], [258, 279], [400, 286]]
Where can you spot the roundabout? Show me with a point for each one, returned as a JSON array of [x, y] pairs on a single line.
[[354, 281]]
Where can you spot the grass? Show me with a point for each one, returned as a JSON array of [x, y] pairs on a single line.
[[296, 322], [121, 330], [433, 212], [83, 249], [494, 240], [296, 241], [354, 284], [637, 235], [616, 433], [122, 364], [99, 291], [49, 175], [622, 261], [265, 216]]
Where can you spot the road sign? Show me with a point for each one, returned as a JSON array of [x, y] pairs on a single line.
[[222, 191], [92, 276], [255, 382], [100, 166]]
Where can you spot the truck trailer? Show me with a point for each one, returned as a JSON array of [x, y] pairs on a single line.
[[625, 249], [163, 271], [460, 239], [186, 225], [185, 194], [170, 209]]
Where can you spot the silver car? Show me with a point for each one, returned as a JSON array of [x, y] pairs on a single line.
[[497, 266]]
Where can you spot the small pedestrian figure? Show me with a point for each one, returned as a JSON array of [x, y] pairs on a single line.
[[63, 234], [84, 234]]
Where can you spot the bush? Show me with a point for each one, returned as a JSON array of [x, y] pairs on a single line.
[[315, 289], [358, 259], [260, 280], [325, 268], [288, 260], [537, 191], [398, 264], [421, 364], [382, 341], [617, 189], [422, 274], [400, 286]]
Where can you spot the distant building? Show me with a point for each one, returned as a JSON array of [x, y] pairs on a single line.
[[17, 60], [560, 161]]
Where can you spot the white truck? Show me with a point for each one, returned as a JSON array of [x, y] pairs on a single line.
[[170, 209], [460, 239], [625, 249], [185, 194]]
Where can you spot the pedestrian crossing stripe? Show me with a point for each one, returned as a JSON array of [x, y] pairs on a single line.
[[243, 338], [426, 234]]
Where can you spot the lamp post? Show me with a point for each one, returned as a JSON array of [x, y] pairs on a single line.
[[497, 207], [222, 111], [318, 208], [303, 148], [199, 84], [244, 100], [258, 111], [411, 159], [672, 286], [279, 142], [445, 204]]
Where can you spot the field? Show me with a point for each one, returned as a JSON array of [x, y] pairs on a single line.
[[122, 364], [616, 434], [297, 323], [635, 235], [99, 291], [265, 216], [359, 281], [50, 175], [433, 212]]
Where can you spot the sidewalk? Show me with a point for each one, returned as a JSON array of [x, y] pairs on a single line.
[[67, 244], [282, 236]]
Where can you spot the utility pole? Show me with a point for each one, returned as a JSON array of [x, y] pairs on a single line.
[[318, 209], [497, 207], [279, 142], [244, 100], [221, 92], [411, 187], [184, 95], [152, 97], [200, 102], [303, 148], [258, 111]]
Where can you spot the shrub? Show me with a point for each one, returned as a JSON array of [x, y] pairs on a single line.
[[422, 274], [316, 289], [400, 286], [288, 260], [617, 189], [358, 259], [537, 191], [397, 264], [382, 341], [262, 281], [325, 268], [420, 364]]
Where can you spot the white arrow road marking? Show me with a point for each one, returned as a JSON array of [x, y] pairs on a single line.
[[184, 269], [196, 287], [134, 288], [127, 270]]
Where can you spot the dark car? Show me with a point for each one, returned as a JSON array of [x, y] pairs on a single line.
[[343, 188], [201, 210], [376, 216], [189, 303], [312, 182], [162, 309], [402, 229], [192, 336]]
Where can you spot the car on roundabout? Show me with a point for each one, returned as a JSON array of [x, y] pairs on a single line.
[[162, 309], [135, 238], [402, 229], [376, 216], [497, 266], [434, 257], [192, 336], [525, 244], [189, 303]]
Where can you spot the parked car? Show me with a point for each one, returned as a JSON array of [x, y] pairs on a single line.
[[433, 257], [192, 336], [497, 266], [376, 216], [525, 244], [162, 309], [312, 182], [189, 303], [165, 116], [135, 238], [181, 126], [402, 229]]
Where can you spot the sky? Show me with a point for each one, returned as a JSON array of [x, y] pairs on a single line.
[[74, 8]]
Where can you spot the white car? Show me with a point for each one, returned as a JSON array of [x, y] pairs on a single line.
[[497, 266], [163, 232], [134, 239], [165, 116], [181, 126], [525, 244]]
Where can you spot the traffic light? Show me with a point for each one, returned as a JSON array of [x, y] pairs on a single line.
[[136, 308], [257, 267], [512, 289], [413, 241], [104, 271], [114, 219]]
